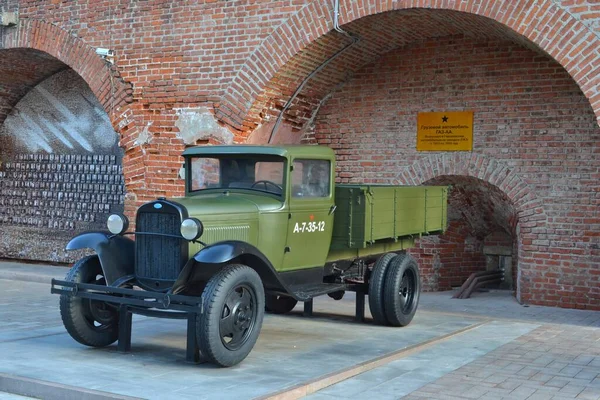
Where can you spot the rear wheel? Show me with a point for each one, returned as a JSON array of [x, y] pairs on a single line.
[[402, 290], [277, 304], [90, 322], [376, 288], [234, 304]]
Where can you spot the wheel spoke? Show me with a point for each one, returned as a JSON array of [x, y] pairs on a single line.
[[407, 291], [232, 301], [402, 300], [87, 310], [237, 336], [226, 325], [246, 298]]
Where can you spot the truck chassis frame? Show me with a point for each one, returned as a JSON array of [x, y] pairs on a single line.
[[166, 305]]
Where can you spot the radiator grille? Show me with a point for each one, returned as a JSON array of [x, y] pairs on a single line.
[[158, 257]]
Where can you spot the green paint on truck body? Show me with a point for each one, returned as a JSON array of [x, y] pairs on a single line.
[[304, 224]]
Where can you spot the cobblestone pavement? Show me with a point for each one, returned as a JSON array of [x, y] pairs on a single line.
[[559, 359], [551, 362]]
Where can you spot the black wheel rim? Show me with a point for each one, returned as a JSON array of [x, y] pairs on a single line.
[[238, 317], [407, 291], [98, 315]]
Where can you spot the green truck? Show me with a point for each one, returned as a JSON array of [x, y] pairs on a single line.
[[259, 229]]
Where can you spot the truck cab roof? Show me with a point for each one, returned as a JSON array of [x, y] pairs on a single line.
[[287, 151]]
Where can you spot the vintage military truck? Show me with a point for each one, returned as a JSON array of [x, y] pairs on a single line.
[[260, 227]]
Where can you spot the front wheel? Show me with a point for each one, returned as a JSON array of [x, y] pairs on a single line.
[[402, 290], [91, 322], [234, 307]]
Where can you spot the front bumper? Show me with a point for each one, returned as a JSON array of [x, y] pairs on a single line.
[[141, 299]]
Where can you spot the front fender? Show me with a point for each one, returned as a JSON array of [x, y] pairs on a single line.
[[210, 259], [226, 251], [116, 253]]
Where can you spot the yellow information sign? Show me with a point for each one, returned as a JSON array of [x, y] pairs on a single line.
[[445, 131]]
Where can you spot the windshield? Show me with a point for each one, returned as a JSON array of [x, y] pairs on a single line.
[[260, 173]]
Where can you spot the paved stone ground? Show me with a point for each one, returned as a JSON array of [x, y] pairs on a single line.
[[516, 353], [403, 376], [290, 350], [499, 304], [551, 362], [559, 359]]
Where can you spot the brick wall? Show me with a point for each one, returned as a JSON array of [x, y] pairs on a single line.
[[587, 12], [241, 60], [531, 122], [447, 260], [479, 216]]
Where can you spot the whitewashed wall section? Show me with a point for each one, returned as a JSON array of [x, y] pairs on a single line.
[[60, 115], [60, 170]]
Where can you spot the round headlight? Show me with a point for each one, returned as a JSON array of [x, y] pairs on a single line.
[[117, 224], [191, 229]]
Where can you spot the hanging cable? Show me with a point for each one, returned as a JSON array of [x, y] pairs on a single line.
[[336, 27]]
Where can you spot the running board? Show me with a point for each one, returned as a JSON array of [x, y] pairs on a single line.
[[307, 291]]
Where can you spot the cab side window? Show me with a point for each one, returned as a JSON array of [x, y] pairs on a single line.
[[311, 178]]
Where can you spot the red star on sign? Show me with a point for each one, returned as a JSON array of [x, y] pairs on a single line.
[[312, 217]]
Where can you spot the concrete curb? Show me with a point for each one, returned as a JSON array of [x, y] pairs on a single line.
[[53, 391], [16, 276], [37, 273]]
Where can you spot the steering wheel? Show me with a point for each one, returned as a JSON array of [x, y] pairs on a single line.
[[266, 184]]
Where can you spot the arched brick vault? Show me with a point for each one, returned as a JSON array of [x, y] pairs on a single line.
[[528, 206], [530, 211], [34, 50], [30, 44], [276, 68]]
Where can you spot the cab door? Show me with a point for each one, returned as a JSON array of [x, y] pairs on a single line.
[[311, 207]]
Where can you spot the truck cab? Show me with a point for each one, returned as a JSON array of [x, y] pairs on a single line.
[[291, 189]]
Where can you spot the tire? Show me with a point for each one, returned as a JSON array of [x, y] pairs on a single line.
[[402, 290], [234, 306], [277, 304], [376, 288], [90, 322]]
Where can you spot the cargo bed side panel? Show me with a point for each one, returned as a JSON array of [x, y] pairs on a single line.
[[367, 215]]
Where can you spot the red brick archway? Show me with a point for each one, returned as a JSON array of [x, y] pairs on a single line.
[[103, 79], [570, 42], [38, 50], [477, 166], [530, 212]]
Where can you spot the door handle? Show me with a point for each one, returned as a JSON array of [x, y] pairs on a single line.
[[332, 209]]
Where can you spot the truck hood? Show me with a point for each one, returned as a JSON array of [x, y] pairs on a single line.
[[215, 204]]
